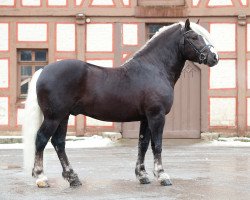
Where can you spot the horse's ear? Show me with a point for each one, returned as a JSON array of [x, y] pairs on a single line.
[[187, 25], [198, 22]]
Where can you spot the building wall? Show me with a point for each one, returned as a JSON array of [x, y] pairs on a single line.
[[115, 30]]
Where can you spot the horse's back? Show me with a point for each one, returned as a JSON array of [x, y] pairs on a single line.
[[53, 70]]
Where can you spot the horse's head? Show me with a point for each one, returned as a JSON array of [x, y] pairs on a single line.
[[197, 45]]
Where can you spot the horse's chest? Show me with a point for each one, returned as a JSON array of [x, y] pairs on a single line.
[[165, 98]]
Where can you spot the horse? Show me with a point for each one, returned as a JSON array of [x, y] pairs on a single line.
[[142, 89]]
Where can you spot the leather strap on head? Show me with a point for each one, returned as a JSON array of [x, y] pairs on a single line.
[[202, 56], [181, 45]]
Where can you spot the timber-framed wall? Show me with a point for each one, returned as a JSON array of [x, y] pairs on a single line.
[[224, 106]]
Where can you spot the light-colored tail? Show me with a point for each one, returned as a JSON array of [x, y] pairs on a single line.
[[31, 123]]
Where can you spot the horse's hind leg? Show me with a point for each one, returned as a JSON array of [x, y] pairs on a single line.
[[58, 141], [143, 143], [46, 130], [156, 125]]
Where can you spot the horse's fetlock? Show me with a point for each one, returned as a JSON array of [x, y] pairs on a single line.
[[70, 176], [36, 172], [143, 177], [158, 173], [139, 168], [157, 150]]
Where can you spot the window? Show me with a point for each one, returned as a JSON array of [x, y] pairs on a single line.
[[28, 62], [153, 28]]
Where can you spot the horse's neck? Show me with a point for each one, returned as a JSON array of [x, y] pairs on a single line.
[[165, 55], [176, 69]]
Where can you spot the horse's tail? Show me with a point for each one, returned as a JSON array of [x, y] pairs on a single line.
[[31, 123]]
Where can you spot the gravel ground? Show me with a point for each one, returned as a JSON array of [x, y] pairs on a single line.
[[198, 170]]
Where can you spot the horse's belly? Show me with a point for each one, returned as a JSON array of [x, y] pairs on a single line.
[[115, 112]]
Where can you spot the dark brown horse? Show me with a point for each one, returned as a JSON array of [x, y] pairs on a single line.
[[142, 90]]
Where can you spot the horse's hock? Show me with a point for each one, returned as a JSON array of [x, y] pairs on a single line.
[[184, 120]]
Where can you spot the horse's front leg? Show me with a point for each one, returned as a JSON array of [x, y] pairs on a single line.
[[156, 125], [143, 143], [58, 141]]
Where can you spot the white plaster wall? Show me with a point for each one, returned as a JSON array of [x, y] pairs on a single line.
[[130, 34], [20, 116], [57, 2], [248, 37], [94, 122], [196, 2], [4, 111], [7, 2], [244, 2], [248, 111], [223, 75], [65, 37], [248, 74], [4, 73], [4, 35], [126, 2], [99, 37], [124, 55], [71, 121], [102, 3], [78, 2], [31, 2], [220, 2], [223, 36], [222, 111], [32, 32], [102, 63]]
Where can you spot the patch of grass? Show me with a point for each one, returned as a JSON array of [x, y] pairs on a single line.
[[222, 140], [242, 140]]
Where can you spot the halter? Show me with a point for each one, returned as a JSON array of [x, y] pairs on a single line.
[[202, 56]]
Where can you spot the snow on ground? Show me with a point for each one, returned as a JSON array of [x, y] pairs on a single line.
[[99, 141], [84, 142], [232, 141]]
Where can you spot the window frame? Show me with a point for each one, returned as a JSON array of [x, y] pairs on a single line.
[[149, 34], [31, 63]]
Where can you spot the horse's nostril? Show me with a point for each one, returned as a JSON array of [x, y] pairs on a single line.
[[215, 56]]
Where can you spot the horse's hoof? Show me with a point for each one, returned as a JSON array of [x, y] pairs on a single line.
[[42, 182], [75, 183], [166, 182], [144, 180], [143, 177], [164, 179]]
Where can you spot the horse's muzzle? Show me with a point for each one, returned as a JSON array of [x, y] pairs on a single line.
[[212, 60]]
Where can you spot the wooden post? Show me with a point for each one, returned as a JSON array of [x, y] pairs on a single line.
[[80, 55], [241, 78]]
